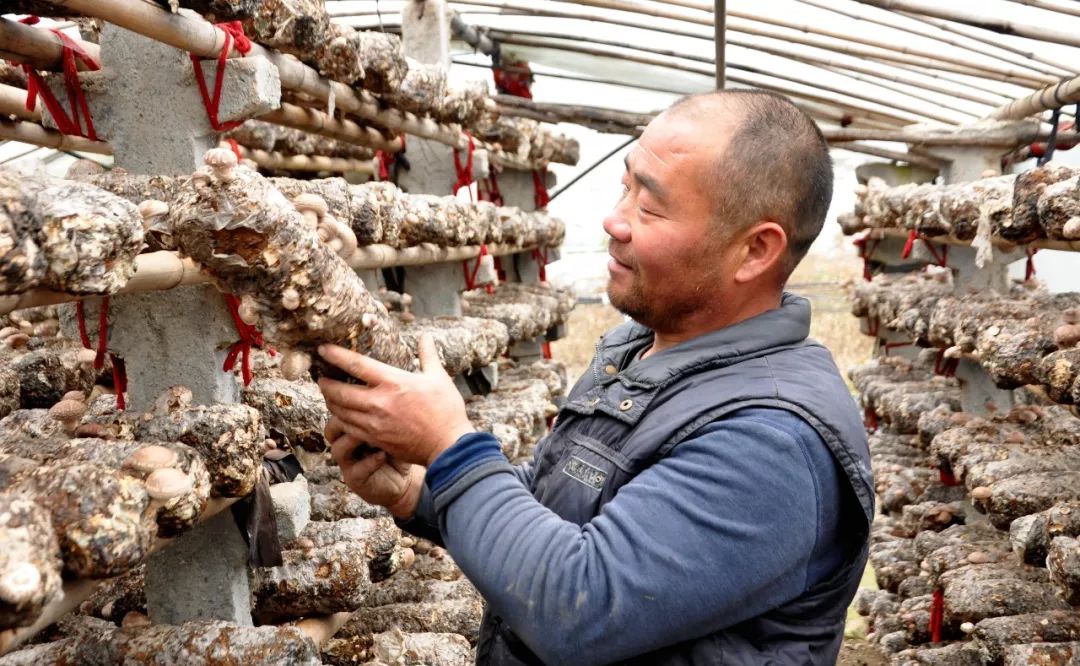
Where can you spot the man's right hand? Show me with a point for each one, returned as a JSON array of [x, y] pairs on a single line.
[[377, 478]]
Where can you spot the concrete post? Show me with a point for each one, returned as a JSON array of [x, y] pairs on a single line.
[[145, 102]]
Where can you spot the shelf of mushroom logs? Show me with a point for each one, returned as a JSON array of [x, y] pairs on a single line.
[[90, 489], [975, 551]]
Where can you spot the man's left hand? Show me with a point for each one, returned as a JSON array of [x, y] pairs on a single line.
[[412, 416]]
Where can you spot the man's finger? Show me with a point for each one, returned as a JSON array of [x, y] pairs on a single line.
[[360, 471], [362, 367], [342, 450], [333, 429], [429, 355], [345, 395], [353, 423]]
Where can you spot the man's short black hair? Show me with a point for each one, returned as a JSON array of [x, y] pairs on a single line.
[[776, 166]]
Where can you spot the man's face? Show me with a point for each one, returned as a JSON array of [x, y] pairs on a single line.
[[667, 259]]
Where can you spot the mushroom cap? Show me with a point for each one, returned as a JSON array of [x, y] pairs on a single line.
[[152, 208], [151, 458], [8, 331], [17, 340], [19, 583], [294, 364], [167, 483], [134, 619], [1067, 335], [75, 395], [981, 493], [86, 355], [68, 410], [220, 158], [306, 201]]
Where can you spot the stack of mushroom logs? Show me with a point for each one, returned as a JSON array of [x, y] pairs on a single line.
[[88, 490], [975, 551]]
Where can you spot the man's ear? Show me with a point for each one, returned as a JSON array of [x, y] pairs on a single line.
[[765, 246]]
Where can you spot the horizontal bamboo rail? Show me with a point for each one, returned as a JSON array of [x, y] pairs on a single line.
[[159, 271], [979, 20], [35, 134], [77, 591], [202, 38], [1042, 244], [1050, 97], [312, 163]]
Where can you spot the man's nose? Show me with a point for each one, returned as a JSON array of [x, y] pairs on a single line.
[[616, 226]]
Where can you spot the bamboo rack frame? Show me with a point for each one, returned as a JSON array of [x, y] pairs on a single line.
[[202, 38], [77, 591], [44, 51], [1050, 97], [929, 113], [312, 163], [735, 22]]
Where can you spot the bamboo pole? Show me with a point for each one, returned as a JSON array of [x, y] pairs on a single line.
[[202, 38], [1061, 8], [896, 156], [1050, 97], [342, 129], [38, 48], [888, 116], [13, 103], [887, 19], [941, 61], [309, 163], [508, 37], [471, 35], [77, 591], [980, 20], [604, 120], [984, 37], [32, 133], [988, 138]]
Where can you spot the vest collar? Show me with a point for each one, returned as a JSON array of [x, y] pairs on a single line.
[[779, 327]]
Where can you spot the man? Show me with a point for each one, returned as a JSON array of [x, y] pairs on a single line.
[[705, 495]]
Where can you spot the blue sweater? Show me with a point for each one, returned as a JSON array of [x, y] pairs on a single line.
[[688, 547]]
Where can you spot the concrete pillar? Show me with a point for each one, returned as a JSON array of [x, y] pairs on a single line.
[[146, 103]]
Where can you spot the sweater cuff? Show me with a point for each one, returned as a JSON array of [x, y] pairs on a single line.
[[455, 462], [424, 523]]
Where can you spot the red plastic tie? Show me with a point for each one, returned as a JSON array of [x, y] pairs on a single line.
[[241, 349], [80, 319], [234, 37], [541, 260], [941, 259], [547, 349], [464, 172], [517, 82], [119, 373], [937, 614], [870, 419], [873, 326], [540, 194], [945, 367], [470, 275], [947, 477], [235, 148], [1029, 267], [910, 244], [36, 87], [103, 334], [487, 189]]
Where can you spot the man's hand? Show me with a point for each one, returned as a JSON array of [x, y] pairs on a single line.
[[377, 478], [413, 417]]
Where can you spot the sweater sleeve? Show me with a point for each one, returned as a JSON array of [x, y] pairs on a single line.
[[720, 531]]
